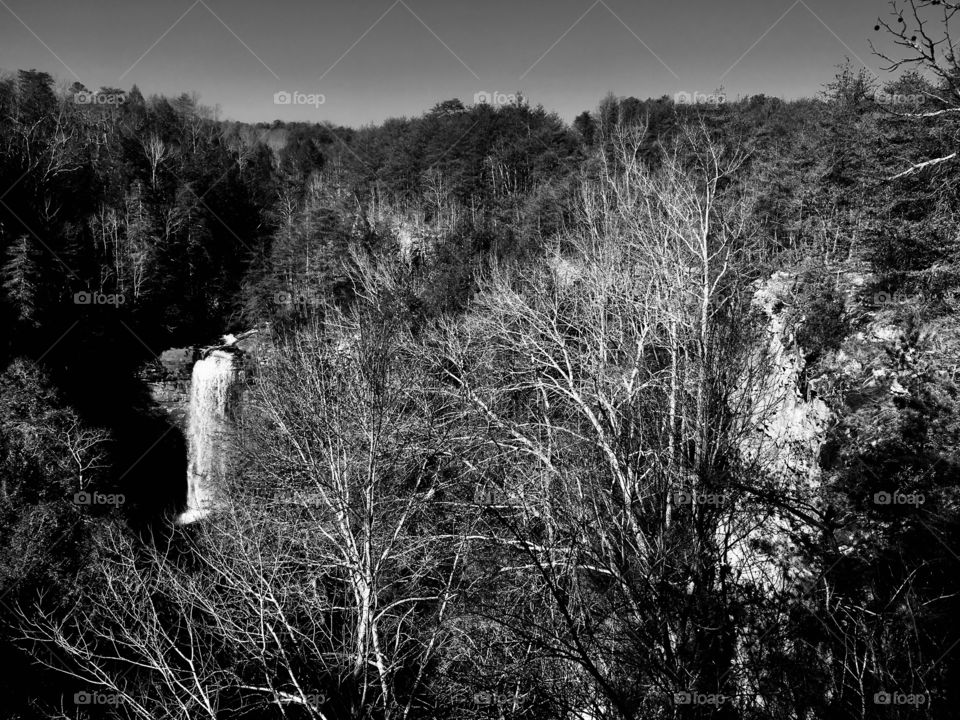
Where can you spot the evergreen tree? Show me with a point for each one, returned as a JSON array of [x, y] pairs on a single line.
[[20, 276]]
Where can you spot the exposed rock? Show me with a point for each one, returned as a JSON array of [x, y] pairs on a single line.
[[794, 425], [168, 377], [168, 381], [782, 442], [253, 342], [173, 398], [178, 361]]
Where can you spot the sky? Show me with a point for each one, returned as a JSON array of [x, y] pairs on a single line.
[[356, 62]]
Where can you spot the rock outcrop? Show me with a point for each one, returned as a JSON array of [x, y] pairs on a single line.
[[785, 428], [794, 423], [168, 382]]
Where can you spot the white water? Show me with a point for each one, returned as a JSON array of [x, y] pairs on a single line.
[[208, 430]]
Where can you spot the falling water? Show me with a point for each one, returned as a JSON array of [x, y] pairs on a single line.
[[208, 430]]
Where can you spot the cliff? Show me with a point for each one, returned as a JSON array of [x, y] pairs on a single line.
[[168, 382]]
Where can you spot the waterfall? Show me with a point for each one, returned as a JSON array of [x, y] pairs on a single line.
[[209, 426]]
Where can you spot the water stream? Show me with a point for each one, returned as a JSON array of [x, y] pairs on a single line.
[[209, 428]]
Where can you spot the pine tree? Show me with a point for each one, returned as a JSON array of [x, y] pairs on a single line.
[[19, 274]]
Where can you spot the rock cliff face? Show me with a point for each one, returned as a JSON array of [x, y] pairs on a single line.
[[849, 397], [168, 377], [794, 423], [785, 429], [168, 381]]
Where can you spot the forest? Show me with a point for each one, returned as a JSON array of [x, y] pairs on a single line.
[[651, 415]]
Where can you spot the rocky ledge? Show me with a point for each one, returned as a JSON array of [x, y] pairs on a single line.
[[168, 377]]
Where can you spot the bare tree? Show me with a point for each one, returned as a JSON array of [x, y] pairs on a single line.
[[352, 429], [156, 151], [86, 449], [600, 389], [922, 29]]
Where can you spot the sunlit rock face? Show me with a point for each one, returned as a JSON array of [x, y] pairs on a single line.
[[784, 432], [416, 239], [794, 425]]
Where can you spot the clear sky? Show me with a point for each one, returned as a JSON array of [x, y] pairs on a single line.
[[372, 59]]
